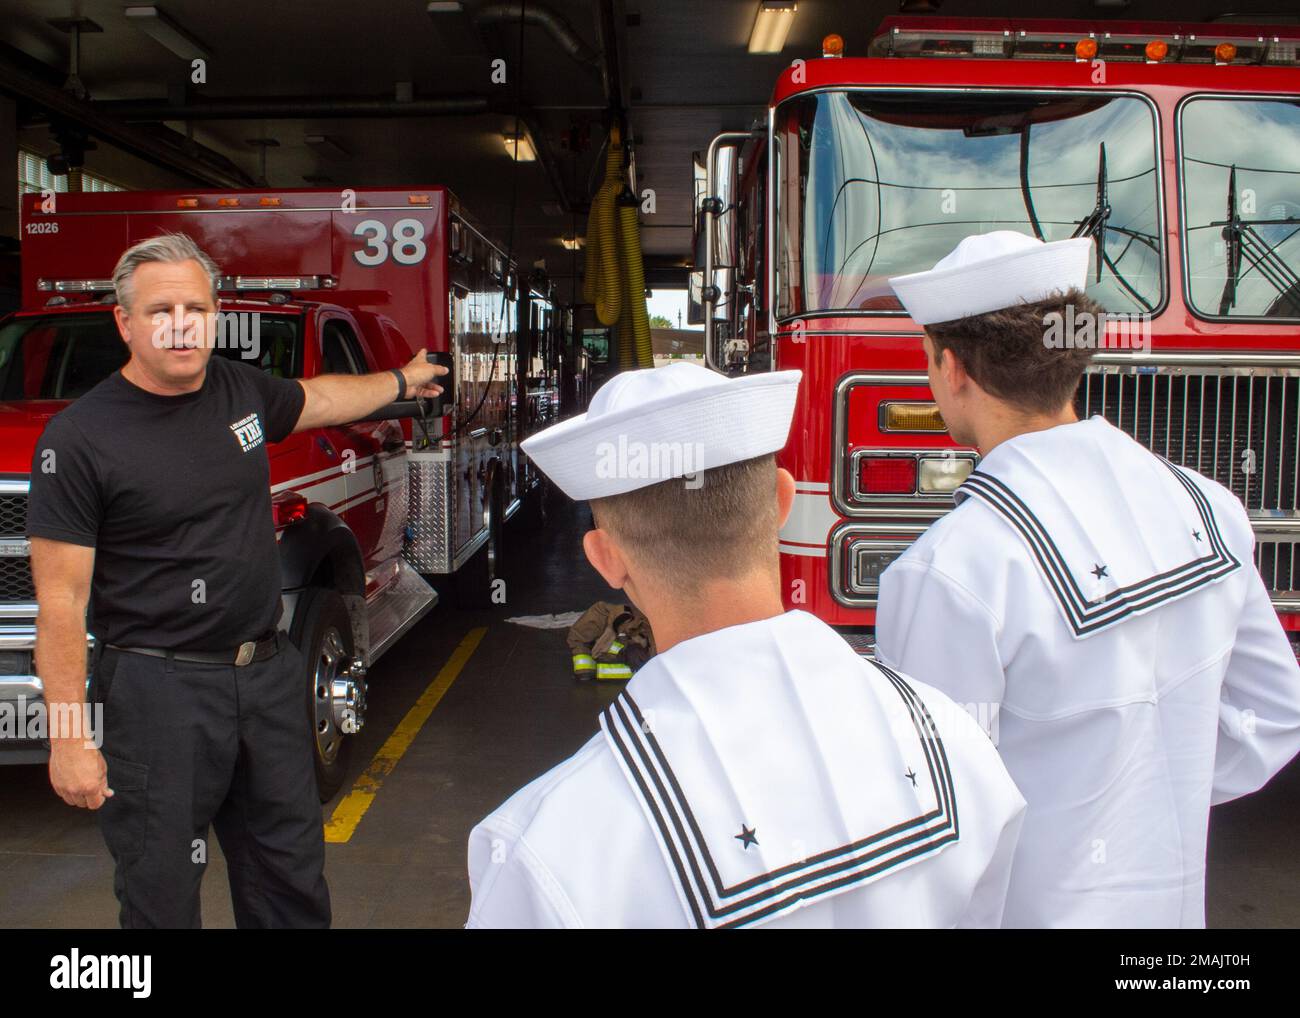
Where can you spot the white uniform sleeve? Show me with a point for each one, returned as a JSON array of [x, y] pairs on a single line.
[[930, 627], [990, 898], [1259, 710], [510, 885], [994, 806]]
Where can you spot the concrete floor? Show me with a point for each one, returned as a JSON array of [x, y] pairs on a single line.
[[513, 712]]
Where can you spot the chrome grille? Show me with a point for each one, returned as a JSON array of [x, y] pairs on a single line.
[[16, 581], [13, 515], [15, 570], [1238, 426], [1277, 562]]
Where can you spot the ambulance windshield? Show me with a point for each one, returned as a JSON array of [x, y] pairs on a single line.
[[890, 182], [65, 355], [1241, 206]]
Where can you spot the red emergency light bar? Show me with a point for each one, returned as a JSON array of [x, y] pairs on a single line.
[[225, 284], [1059, 39]]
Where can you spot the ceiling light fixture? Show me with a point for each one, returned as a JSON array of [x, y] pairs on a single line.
[[772, 25], [153, 22], [519, 146]]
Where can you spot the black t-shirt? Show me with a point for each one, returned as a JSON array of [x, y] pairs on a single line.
[[173, 493]]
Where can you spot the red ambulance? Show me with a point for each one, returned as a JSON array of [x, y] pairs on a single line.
[[366, 515]]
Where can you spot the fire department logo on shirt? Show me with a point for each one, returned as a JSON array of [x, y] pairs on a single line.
[[249, 431]]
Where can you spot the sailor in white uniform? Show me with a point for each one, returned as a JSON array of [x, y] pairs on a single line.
[[1097, 604], [756, 771]]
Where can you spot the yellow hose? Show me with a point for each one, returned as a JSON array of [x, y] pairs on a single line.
[[614, 280], [602, 285], [634, 331]]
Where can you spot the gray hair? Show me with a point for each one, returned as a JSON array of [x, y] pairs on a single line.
[[166, 247]]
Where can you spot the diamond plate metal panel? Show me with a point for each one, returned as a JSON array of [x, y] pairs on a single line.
[[428, 545]]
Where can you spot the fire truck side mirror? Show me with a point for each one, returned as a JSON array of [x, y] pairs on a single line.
[[720, 297], [401, 410], [428, 408]]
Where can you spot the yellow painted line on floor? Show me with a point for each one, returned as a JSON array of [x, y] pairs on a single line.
[[348, 813]]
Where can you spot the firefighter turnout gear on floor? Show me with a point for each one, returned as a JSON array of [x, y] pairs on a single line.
[[610, 641]]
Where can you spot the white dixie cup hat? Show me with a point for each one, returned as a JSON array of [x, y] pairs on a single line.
[[653, 424], [990, 271]]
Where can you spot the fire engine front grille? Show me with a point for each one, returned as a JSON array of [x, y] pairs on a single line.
[[13, 515], [16, 581], [1278, 562], [1242, 429]]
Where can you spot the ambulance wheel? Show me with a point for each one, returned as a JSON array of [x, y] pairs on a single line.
[[476, 579], [322, 631]]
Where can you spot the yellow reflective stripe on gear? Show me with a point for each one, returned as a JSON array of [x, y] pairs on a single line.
[[583, 663], [613, 671], [615, 647]]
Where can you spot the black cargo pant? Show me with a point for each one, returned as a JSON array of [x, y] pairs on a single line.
[[192, 745]]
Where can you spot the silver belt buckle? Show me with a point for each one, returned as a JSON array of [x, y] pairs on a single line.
[[245, 654]]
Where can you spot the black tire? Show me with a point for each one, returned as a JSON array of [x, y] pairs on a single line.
[[535, 510], [475, 580], [322, 632]]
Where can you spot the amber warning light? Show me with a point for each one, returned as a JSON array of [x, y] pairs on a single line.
[[1002, 39]]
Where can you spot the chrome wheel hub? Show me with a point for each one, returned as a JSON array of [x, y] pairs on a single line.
[[339, 693]]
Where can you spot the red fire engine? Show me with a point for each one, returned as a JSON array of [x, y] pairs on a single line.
[[1175, 148], [314, 282]]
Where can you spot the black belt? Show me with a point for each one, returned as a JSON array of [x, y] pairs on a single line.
[[246, 653]]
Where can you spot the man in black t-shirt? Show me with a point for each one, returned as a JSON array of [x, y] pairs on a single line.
[[150, 502]]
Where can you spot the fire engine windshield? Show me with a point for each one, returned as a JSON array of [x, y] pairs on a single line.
[[879, 184], [63, 356], [1241, 206]]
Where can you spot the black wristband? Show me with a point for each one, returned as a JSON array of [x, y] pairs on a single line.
[[401, 384]]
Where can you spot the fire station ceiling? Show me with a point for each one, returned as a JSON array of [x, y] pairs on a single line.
[[339, 93]]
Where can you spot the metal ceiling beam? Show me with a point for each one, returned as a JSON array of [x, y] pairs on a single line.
[[313, 107], [297, 108], [65, 106], [547, 159]]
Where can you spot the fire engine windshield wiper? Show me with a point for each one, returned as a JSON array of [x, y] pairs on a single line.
[[1094, 223], [1244, 244]]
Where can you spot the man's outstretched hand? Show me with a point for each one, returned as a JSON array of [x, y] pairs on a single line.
[[419, 374]]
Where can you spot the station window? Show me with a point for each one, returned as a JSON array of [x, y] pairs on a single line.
[[34, 177], [596, 343]]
